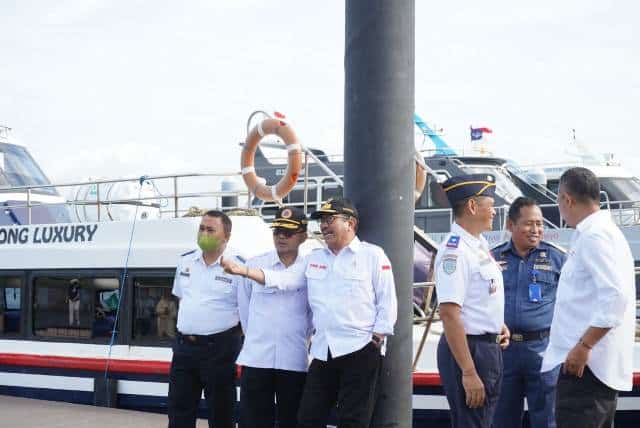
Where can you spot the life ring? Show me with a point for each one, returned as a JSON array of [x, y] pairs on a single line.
[[421, 176], [257, 185]]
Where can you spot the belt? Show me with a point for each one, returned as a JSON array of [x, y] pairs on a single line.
[[530, 335], [488, 337], [208, 338]]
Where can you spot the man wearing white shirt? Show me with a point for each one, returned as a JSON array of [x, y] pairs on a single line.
[[208, 338], [352, 296], [592, 332], [277, 326]]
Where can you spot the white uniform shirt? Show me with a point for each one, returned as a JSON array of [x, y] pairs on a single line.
[[596, 288], [468, 276], [351, 295], [208, 296], [276, 323]]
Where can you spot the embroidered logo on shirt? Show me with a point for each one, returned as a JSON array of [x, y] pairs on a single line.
[[317, 266], [224, 279], [449, 263], [453, 241], [543, 254]]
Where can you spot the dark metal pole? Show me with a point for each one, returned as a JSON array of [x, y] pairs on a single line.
[[380, 170]]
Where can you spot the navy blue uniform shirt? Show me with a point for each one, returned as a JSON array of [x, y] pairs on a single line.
[[524, 309]]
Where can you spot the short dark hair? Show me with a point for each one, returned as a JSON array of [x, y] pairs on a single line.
[[226, 221], [458, 207], [517, 205], [582, 184]]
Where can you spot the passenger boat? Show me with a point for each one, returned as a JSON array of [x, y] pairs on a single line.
[[124, 271]]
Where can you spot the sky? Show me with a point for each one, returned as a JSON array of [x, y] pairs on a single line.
[[122, 88]]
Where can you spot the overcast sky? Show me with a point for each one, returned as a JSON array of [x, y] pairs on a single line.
[[104, 88]]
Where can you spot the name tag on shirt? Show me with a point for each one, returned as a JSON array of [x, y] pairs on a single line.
[[546, 267], [187, 274], [224, 279], [535, 292]]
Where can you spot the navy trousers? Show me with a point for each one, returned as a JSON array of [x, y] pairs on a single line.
[[522, 378], [487, 358], [208, 364], [259, 387]]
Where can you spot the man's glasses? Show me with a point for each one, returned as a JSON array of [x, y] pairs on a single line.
[[284, 232], [329, 219]]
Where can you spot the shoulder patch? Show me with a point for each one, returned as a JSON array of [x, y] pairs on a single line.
[[187, 253], [453, 242], [449, 263]]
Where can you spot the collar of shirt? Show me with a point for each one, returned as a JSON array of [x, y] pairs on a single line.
[[198, 256], [471, 240], [509, 247], [354, 246], [592, 219], [275, 262]]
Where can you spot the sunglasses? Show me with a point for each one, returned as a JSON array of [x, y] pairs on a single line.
[[286, 233]]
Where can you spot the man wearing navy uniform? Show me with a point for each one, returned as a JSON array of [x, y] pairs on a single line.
[[471, 295], [277, 326], [208, 338], [352, 296], [530, 269]]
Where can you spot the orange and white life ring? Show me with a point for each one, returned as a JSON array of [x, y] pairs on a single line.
[[257, 185], [421, 176]]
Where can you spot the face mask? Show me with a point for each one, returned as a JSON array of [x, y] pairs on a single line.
[[209, 243]]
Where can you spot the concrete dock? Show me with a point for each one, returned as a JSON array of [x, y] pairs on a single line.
[[28, 413]]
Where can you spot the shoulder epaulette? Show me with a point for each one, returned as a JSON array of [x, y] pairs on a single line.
[[500, 244], [554, 245], [187, 253]]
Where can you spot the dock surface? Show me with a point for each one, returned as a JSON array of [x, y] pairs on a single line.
[[27, 413]]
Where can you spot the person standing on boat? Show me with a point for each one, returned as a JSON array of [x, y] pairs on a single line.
[[593, 329], [352, 296], [208, 338], [471, 295], [73, 299], [530, 270], [277, 327]]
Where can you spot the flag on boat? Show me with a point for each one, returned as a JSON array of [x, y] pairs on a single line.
[[476, 133]]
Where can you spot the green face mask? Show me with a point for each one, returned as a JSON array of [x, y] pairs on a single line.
[[208, 243]]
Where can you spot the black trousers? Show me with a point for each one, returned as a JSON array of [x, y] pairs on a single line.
[[584, 402], [257, 391], [209, 364], [350, 381], [487, 358]]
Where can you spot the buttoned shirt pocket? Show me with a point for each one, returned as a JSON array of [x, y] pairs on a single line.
[[548, 282], [487, 275], [352, 281]]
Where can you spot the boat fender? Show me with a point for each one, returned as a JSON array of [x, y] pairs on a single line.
[[257, 185]]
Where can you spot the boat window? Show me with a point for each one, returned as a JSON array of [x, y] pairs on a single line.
[[10, 305], [155, 309], [621, 188], [505, 188], [68, 307], [19, 169]]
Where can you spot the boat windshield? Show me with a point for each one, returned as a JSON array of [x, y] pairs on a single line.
[[621, 188], [505, 188], [17, 168]]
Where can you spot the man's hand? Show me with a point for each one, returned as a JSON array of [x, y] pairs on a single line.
[[576, 360], [505, 334], [473, 389], [232, 268], [377, 339]]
